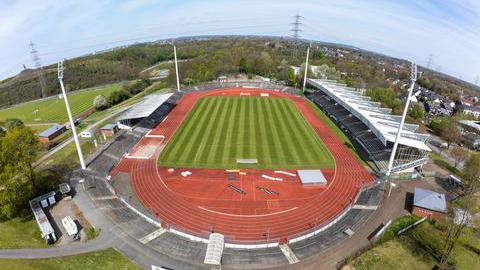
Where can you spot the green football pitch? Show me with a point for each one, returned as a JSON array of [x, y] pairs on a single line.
[[52, 110], [220, 130]]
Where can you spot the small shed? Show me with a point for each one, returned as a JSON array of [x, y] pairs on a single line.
[[109, 130], [428, 203], [312, 177], [51, 133]]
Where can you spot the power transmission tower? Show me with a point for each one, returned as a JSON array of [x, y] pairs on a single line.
[[38, 69], [296, 32], [429, 61], [477, 79]]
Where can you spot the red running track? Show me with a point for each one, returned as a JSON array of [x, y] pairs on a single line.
[[202, 202]]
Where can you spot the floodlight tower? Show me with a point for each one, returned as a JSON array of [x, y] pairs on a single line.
[[306, 70], [70, 118], [413, 79], [176, 66]]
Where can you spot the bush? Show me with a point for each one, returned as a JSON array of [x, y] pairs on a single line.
[[397, 225], [137, 86], [117, 96], [91, 233], [100, 103]]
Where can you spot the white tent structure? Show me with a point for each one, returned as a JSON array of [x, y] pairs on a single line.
[[372, 126]]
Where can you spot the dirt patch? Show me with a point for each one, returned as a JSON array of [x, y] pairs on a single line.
[[65, 208]]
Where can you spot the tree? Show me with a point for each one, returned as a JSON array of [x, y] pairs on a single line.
[[117, 96], [460, 154], [242, 65], [18, 149], [457, 224], [450, 131], [100, 102], [12, 123], [417, 112]]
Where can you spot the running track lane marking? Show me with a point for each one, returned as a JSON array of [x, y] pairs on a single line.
[[233, 215], [287, 251], [149, 237]]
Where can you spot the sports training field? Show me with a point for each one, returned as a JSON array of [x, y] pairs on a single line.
[[52, 110], [221, 129]]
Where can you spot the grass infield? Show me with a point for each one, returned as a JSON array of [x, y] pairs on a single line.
[[220, 130]]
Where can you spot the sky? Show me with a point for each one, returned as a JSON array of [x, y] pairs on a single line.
[[449, 30]]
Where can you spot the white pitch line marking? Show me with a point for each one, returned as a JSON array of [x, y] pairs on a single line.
[[287, 251], [149, 237]]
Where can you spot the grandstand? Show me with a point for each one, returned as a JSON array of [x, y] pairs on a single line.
[[148, 112], [371, 126]]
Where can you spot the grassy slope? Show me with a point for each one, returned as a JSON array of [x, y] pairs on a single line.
[[53, 110], [20, 233], [417, 248], [108, 259], [218, 130]]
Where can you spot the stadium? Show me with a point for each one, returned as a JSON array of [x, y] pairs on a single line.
[[260, 199]]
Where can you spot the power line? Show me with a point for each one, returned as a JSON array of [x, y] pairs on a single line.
[[38, 69]]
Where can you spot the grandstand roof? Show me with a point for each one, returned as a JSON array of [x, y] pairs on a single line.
[[146, 107], [377, 119]]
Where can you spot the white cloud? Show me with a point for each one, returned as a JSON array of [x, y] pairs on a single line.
[[16, 15]]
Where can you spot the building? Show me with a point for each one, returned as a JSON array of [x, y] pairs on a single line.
[[51, 133], [472, 140], [109, 130], [372, 129], [469, 125], [155, 105], [469, 109], [37, 205], [427, 203]]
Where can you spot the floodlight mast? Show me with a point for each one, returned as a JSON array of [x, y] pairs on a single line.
[[413, 78], [306, 70], [70, 118], [176, 66]]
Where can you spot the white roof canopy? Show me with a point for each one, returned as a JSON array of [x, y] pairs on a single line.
[[377, 119], [146, 107]]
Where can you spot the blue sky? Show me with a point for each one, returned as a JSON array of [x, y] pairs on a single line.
[[447, 29]]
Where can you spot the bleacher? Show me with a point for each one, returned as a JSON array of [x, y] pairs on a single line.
[[160, 113], [358, 131]]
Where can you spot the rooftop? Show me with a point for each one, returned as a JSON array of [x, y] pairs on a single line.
[[312, 177], [146, 107], [472, 124], [109, 126], [431, 200], [51, 130], [379, 120]]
